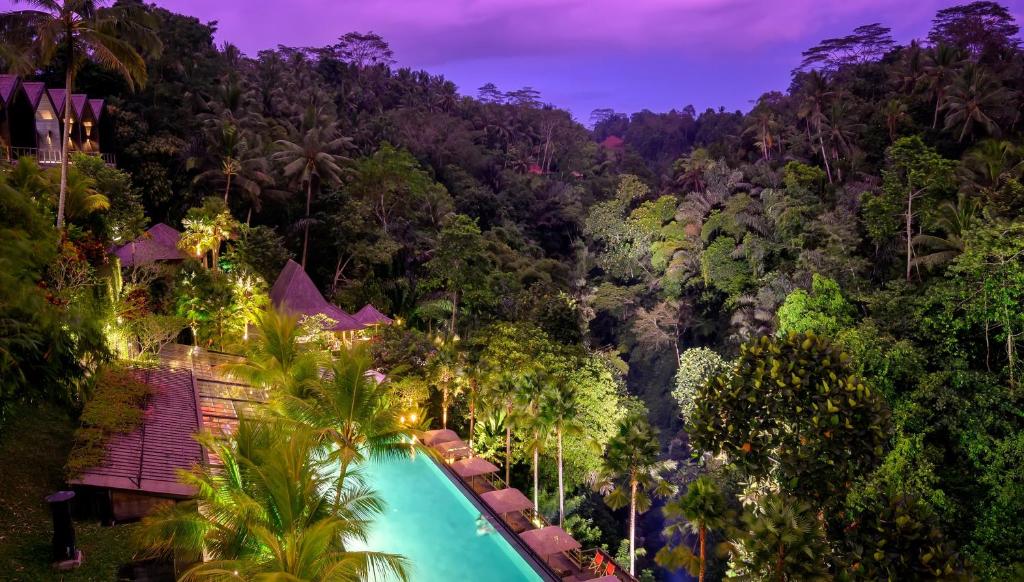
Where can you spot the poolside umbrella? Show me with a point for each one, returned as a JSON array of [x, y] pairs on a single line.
[[549, 540], [473, 467], [457, 449], [435, 437], [508, 500]]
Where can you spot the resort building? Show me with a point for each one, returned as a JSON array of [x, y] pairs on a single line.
[[32, 116], [295, 292], [159, 244]]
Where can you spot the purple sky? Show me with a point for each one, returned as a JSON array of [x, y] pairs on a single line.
[[581, 54]]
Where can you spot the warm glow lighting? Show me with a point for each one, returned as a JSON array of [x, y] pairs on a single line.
[[413, 417], [402, 419]]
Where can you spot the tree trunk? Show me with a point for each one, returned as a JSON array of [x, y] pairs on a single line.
[[472, 412], [342, 471], [444, 407], [69, 79], [536, 479], [702, 533], [305, 236], [632, 527], [508, 452], [561, 486], [909, 231], [824, 157], [455, 310], [227, 189], [938, 105]]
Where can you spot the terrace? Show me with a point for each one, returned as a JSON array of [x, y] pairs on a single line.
[[553, 545]]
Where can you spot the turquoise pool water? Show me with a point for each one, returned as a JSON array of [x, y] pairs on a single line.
[[430, 522]]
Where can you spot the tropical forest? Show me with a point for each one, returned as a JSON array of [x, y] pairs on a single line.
[[305, 313]]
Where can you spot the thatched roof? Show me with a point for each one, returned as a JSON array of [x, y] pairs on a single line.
[[295, 292], [159, 243]]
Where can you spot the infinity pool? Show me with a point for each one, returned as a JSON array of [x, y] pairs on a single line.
[[430, 522]]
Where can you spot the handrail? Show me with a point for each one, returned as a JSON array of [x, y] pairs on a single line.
[[50, 156]]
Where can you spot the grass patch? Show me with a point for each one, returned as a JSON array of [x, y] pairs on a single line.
[[33, 448], [115, 408]]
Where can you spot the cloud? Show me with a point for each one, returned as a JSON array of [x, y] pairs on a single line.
[[432, 32]]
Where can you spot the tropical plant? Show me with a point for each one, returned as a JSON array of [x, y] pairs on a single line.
[[975, 99], [352, 415], [73, 33], [791, 408], [703, 510], [632, 473], [697, 366], [444, 371], [782, 539], [561, 409], [312, 159], [266, 513], [277, 360]]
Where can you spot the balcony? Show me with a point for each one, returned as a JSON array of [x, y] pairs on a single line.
[[50, 157]]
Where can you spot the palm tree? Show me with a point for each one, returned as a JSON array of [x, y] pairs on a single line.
[[632, 473], [987, 166], [204, 233], [702, 510], [783, 540], [561, 408], [528, 417], [277, 360], [976, 98], [350, 413], [266, 514], [943, 62], [895, 112], [445, 370], [500, 396], [76, 32], [816, 95], [312, 160], [954, 219]]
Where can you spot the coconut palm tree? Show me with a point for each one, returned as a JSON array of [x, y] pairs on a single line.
[[499, 394], [632, 473], [782, 539], [987, 166], [561, 408], [312, 159], [277, 360], [942, 63], [975, 99], [445, 371], [702, 510], [954, 219], [816, 95], [352, 415], [266, 514], [75, 32], [529, 419]]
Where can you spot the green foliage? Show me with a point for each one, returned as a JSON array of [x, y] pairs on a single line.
[[703, 511], [115, 408], [898, 539], [824, 311], [697, 367], [782, 539], [791, 408], [721, 270], [260, 250]]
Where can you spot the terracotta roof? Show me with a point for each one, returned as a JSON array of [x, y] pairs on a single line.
[[57, 95], [294, 291], [97, 108], [549, 540], [8, 83], [613, 142], [79, 101], [159, 243], [369, 315], [506, 500], [148, 459], [34, 90], [473, 467]]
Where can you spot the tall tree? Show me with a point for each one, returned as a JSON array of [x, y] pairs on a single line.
[[73, 33], [561, 408], [632, 473], [703, 510], [313, 160]]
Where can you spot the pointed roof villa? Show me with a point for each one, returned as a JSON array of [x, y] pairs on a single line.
[[58, 96], [369, 315], [159, 243], [35, 92], [79, 102], [97, 107], [294, 291], [8, 83]]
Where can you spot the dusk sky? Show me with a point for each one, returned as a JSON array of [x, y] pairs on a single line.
[[581, 54]]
